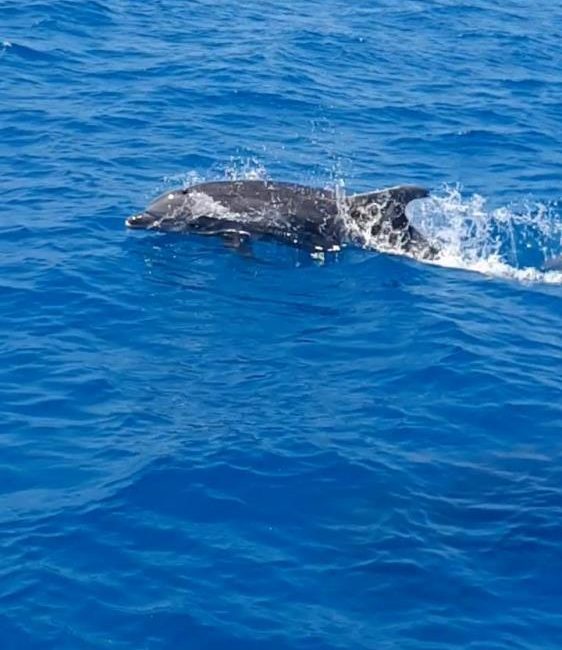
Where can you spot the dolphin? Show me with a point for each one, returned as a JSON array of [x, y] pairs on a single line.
[[314, 219]]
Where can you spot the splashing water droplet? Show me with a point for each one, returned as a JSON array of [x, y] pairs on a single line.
[[514, 241]]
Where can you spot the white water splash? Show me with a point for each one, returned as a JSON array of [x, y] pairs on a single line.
[[510, 242], [247, 169]]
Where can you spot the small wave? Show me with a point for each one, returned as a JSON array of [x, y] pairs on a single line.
[[4, 46], [30, 53]]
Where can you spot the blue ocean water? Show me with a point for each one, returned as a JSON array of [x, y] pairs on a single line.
[[207, 450]]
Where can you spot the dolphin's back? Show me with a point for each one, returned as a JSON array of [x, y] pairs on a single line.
[[255, 197], [292, 213]]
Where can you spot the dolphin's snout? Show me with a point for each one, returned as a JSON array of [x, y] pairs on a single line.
[[142, 220]]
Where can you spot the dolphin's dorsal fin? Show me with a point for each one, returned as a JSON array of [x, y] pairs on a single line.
[[383, 213], [385, 208], [400, 194]]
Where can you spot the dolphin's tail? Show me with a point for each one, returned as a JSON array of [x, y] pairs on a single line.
[[384, 212]]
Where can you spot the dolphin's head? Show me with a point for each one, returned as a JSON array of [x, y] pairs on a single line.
[[164, 213]]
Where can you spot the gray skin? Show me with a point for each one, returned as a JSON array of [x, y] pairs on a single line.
[[297, 215]]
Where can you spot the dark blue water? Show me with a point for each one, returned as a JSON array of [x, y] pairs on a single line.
[[202, 449]]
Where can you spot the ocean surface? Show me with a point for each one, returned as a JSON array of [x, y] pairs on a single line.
[[207, 450]]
